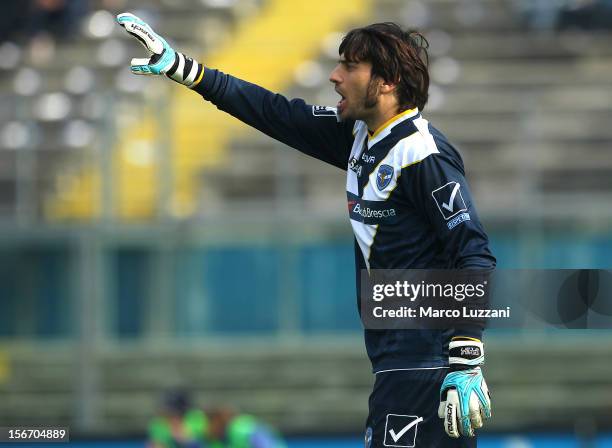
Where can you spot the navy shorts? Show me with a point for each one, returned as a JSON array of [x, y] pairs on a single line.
[[404, 412]]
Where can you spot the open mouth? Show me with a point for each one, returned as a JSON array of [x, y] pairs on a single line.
[[342, 103]]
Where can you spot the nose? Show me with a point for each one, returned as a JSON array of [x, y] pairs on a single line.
[[334, 76]]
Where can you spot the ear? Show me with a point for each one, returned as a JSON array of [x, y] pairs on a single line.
[[387, 87]]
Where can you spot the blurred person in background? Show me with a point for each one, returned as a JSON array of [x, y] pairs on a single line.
[[586, 15], [229, 429], [60, 18], [547, 15], [179, 424], [540, 14], [13, 19], [409, 205], [34, 19]]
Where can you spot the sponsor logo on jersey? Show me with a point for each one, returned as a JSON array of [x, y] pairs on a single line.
[[384, 176], [324, 111], [401, 430], [458, 220], [355, 166], [369, 212], [351, 205], [449, 200], [368, 159]]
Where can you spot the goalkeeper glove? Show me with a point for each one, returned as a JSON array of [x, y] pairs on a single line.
[[163, 60], [464, 397]]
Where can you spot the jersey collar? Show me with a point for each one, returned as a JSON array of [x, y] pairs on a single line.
[[385, 129]]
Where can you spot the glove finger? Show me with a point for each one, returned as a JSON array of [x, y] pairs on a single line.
[[485, 399], [463, 415], [451, 424], [141, 66], [141, 31], [465, 426], [451, 421], [441, 409], [475, 412]]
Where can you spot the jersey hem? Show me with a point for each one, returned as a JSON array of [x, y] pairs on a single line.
[[410, 365]]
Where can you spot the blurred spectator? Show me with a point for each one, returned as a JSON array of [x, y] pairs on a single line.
[[57, 17], [31, 18], [586, 15], [179, 425], [566, 14], [13, 18], [540, 14], [231, 430]]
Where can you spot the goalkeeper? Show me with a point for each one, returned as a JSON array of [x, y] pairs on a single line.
[[409, 205]]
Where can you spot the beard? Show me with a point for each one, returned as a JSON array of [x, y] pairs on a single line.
[[371, 96], [368, 102]]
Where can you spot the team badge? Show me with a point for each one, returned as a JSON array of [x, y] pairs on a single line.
[[384, 176]]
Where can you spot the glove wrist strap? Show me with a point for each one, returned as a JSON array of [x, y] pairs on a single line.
[[186, 71], [465, 354]]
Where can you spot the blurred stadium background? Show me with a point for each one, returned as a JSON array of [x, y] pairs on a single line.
[[148, 241]]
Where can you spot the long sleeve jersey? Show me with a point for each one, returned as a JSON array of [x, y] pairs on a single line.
[[408, 201]]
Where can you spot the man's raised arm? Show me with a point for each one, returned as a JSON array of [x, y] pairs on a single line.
[[313, 130]]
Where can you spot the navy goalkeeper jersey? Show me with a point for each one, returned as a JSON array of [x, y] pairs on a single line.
[[407, 198]]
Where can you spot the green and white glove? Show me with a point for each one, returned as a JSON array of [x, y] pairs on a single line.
[[464, 396], [163, 59]]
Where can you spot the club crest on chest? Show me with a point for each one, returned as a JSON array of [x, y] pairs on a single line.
[[384, 176]]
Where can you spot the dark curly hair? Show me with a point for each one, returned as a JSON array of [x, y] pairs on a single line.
[[397, 56]]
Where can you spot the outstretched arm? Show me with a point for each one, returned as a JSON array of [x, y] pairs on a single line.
[[313, 130]]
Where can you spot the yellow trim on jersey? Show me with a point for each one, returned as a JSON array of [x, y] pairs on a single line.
[[389, 121], [199, 78], [398, 176], [413, 163], [465, 337], [396, 180]]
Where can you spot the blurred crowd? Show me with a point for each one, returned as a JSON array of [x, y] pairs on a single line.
[[28, 18], [180, 423], [567, 14], [25, 19]]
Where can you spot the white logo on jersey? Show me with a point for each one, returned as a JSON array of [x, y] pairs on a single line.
[[324, 111], [449, 199]]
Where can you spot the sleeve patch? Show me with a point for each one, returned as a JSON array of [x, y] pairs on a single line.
[[324, 111], [449, 200]]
